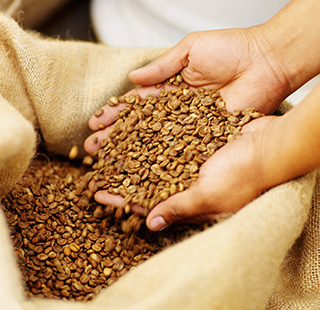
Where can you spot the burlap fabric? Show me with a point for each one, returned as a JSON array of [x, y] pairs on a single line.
[[57, 86], [264, 257]]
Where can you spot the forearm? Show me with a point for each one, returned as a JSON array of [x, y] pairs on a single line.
[[292, 142], [292, 38]]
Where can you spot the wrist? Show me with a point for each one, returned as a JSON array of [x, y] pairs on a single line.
[[277, 155], [290, 41], [277, 162], [290, 144]]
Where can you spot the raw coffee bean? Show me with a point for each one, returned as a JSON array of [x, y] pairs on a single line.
[[113, 101], [98, 112], [73, 152], [87, 160]]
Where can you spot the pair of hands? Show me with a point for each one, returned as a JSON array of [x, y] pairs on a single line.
[[237, 63]]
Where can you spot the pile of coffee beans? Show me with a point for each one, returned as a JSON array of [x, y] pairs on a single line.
[[158, 144], [68, 246]]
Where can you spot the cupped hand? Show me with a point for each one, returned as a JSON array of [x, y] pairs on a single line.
[[240, 63], [230, 179]]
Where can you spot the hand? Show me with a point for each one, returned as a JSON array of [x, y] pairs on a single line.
[[227, 181], [238, 62], [258, 66]]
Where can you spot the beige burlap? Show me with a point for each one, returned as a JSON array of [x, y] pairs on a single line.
[[31, 13], [17, 145], [264, 257], [298, 286], [58, 85]]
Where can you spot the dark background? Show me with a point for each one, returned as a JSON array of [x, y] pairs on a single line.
[[71, 22]]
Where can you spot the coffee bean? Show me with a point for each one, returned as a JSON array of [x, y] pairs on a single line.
[[73, 152], [98, 112], [74, 247]]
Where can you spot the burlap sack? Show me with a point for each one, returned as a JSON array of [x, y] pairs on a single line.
[[17, 144], [240, 263], [263, 257], [31, 13], [57, 86]]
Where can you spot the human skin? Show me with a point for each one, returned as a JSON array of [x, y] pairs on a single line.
[[270, 151], [257, 66]]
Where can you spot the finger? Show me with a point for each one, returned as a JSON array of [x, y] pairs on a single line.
[[107, 117], [257, 124], [144, 91], [199, 219], [92, 143], [176, 209], [106, 198], [108, 113], [117, 201], [163, 67]]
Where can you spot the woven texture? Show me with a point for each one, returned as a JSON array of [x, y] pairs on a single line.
[[17, 145], [57, 85], [264, 257], [298, 286]]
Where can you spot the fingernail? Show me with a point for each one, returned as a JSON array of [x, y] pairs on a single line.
[[157, 223]]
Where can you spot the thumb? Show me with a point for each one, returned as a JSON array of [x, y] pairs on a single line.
[[163, 67], [177, 208]]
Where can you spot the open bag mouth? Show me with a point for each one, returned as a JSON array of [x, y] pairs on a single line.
[[53, 253], [236, 254], [68, 252]]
